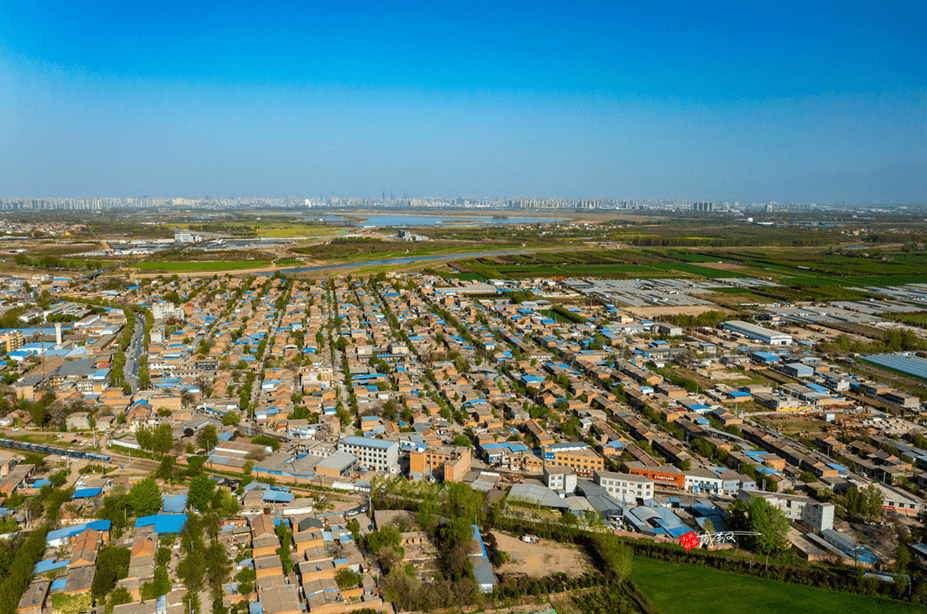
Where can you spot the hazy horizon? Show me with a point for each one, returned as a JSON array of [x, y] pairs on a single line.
[[793, 103]]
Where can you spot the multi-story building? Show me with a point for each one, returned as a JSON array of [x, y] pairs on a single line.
[[624, 486], [452, 462], [374, 454], [11, 340], [560, 478], [664, 475], [575, 455], [899, 500], [813, 514]]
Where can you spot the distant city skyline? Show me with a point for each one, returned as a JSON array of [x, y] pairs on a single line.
[[820, 103], [405, 202]]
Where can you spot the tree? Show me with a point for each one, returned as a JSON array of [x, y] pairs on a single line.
[[267, 440], [865, 503], [115, 509], [348, 579], [112, 565], [19, 559], [902, 558], [617, 557], [144, 377], [247, 574], [224, 503], [145, 497], [208, 437], [770, 523], [388, 536], [872, 502], [354, 528], [162, 439], [218, 566], [286, 537], [159, 585], [58, 479], [52, 499], [165, 469], [39, 414], [426, 515], [120, 596], [201, 492], [807, 477], [231, 418]]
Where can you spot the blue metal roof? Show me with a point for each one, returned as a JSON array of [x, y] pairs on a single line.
[[96, 525], [59, 584], [373, 443], [277, 496], [49, 565], [163, 523], [86, 493], [175, 505]]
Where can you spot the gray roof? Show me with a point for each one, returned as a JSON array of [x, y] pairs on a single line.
[[605, 505], [77, 368], [372, 443], [579, 504], [537, 494], [482, 572], [29, 380], [339, 461]]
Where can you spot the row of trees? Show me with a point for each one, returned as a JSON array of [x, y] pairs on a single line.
[[203, 566], [159, 439], [862, 503], [18, 566]]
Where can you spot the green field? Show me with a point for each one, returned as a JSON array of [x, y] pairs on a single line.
[[231, 265], [694, 269], [464, 276], [677, 589], [286, 231]]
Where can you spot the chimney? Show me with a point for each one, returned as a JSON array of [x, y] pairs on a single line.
[[58, 333]]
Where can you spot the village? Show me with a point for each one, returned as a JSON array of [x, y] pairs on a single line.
[[270, 412]]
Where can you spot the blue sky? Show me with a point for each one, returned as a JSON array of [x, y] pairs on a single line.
[[805, 101]]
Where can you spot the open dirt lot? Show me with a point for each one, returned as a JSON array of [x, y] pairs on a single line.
[[543, 559]]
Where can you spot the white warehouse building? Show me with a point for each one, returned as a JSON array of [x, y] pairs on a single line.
[[757, 333]]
